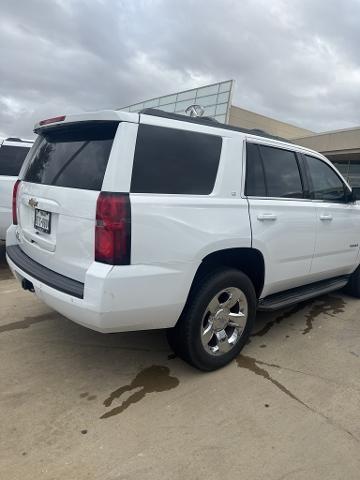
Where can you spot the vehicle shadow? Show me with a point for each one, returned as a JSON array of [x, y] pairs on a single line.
[[5, 272]]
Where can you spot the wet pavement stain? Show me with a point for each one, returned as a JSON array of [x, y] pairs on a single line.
[[87, 396], [328, 305], [171, 356], [27, 322], [279, 319], [150, 380], [252, 364]]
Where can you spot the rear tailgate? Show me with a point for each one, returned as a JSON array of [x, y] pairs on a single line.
[[58, 194]]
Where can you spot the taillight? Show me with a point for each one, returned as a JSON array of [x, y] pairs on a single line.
[[61, 118], [14, 202], [113, 228]]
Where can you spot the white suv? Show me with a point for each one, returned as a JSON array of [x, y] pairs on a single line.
[[12, 155], [126, 221]]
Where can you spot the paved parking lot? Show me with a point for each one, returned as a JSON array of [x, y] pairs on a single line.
[[76, 404]]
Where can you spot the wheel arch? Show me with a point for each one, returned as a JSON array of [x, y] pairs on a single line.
[[249, 260]]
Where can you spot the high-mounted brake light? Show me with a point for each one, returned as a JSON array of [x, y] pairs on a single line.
[[14, 202], [61, 118], [113, 228]]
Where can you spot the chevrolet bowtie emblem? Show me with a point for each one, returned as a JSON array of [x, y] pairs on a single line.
[[33, 203]]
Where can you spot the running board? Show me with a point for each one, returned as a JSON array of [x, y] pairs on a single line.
[[300, 294]]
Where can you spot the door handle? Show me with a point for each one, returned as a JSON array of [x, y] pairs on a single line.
[[266, 216], [326, 217]]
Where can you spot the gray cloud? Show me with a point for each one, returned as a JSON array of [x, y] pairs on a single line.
[[297, 61]]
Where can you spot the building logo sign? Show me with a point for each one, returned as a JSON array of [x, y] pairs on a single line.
[[195, 111]]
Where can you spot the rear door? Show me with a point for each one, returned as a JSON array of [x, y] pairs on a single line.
[[12, 156], [58, 193], [337, 221], [282, 218]]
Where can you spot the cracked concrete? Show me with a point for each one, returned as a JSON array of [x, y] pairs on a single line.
[[76, 404]]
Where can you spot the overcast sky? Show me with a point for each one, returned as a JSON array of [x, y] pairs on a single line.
[[298, 60]]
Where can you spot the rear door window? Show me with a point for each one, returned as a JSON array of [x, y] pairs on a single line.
[[11, 159], [72, 156], [172, 161], [255, 180], [272, 172], [282, 174]]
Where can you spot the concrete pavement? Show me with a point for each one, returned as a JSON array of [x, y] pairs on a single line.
[[76, 404]]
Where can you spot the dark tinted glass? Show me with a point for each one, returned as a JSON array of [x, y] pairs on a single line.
[[255, 182], [282, 174], [73, 156], [354, 173], [326, 185], [11, 159], [175, 161], [343, 168]]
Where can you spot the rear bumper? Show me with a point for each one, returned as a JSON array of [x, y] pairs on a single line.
[[115, 299], [43, 274]]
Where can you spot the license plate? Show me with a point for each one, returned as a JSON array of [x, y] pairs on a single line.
[[42, 220]]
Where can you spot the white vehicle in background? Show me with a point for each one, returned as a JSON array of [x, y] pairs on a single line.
[[12, 155], [126, 221]]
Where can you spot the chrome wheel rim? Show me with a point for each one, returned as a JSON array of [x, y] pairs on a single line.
[[224, 321]]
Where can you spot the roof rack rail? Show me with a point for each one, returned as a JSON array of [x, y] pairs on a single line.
[[17, 139], [211, 122]]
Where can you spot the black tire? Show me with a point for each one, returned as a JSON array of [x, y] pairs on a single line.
[[185, 337], [353, 286]]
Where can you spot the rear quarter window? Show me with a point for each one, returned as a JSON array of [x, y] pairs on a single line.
[[73, 156], [172, 161], [11, 159]]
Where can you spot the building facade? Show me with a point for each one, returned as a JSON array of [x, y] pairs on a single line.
[[342, 147]]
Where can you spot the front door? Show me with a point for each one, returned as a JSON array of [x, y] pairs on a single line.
[[337, 222]]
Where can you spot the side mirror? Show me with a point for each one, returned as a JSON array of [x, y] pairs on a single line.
[[353, 195]]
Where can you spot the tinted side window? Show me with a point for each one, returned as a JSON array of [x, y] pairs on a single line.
[[72, 156], [326, 185], [282, 175], [175, 161], [255, 182], [354, 173], [343, 168], [11, 159]]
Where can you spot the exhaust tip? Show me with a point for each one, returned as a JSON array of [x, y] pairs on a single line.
[[27, 285]]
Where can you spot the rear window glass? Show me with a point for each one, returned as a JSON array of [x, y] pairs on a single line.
[[11, 159], [174, 161], [255, 180], [282, 175], [72, 156]]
